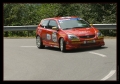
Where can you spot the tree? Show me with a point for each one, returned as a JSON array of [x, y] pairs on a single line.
[[17, 14]]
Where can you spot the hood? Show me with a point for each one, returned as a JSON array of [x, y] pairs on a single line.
[[81, 31]]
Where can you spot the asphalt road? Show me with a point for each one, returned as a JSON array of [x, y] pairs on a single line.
[[22, 60]]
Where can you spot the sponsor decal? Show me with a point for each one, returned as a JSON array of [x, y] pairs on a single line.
[[48, 36], [54, 37], [77, 42]]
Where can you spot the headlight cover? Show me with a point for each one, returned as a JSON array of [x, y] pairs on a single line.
[[99, 34], [73, 37]]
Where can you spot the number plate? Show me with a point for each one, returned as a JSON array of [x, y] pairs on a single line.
[[91, 41]]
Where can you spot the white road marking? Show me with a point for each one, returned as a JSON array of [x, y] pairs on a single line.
[[98, 54], [109, 75], [28, 46]]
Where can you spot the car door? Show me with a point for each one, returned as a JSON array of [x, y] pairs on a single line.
[[52, 34], [43, 31]]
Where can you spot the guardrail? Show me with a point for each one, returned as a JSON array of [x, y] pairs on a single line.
[[33, 27]]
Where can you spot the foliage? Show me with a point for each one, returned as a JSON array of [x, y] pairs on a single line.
[[18, 14]]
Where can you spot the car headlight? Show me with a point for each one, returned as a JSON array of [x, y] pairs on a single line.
[[73, 38], [99, 34]]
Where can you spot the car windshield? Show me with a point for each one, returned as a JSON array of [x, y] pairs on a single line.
[[73, 23]]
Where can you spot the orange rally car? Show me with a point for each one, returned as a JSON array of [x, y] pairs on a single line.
[[67, 33]]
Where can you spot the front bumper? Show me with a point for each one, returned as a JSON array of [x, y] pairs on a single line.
[[82, 44]]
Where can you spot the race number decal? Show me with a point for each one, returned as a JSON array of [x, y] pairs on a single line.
[[54, 37], [48, 37]]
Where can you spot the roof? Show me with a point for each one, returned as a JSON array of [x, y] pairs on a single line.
[[66, 17]]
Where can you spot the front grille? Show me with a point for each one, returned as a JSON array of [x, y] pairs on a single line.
[[88, 36]]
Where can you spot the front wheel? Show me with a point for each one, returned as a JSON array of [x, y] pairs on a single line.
[[39, 42], [62, 45]]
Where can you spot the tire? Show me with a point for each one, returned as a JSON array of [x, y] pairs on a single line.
[[39, 42], [62, 45]]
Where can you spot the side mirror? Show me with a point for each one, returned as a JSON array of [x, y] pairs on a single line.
[[91, 24], [54, 28]]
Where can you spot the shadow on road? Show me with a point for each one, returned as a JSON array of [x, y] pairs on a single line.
[[76, 50], [52, 48], [85, 49]]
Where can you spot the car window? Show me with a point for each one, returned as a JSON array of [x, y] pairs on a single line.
[[52, 23], [44, 23], [73, 23]]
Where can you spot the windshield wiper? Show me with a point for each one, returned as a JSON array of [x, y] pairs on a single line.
[[67, 28], [78, 27]]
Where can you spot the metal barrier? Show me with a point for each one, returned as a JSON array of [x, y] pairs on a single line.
[[20, 28], [33, 27]]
